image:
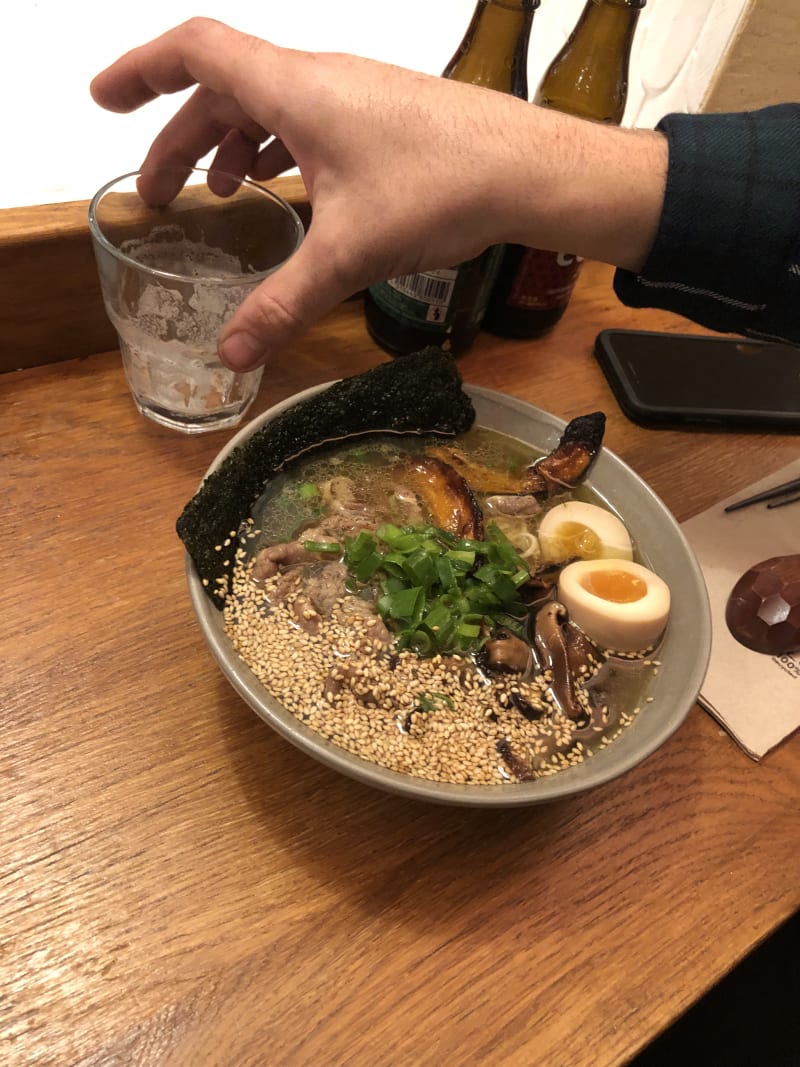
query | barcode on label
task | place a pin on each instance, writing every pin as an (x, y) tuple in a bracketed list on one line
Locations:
[(434, 287)]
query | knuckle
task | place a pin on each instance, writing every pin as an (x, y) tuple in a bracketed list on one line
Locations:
[(335, 248), (272, 314), (201, 32), (197, 26)]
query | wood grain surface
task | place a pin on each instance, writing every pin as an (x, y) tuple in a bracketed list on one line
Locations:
[(180, 886)]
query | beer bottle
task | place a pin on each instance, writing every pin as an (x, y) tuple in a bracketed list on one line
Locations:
[(588, 78), (445, 307)]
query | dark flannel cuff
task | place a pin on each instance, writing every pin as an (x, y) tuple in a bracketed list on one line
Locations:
[(726, 250)]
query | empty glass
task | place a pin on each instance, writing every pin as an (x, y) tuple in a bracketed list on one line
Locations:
[(175, 260)]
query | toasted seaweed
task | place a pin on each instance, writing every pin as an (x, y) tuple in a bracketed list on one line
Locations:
[(419, 393)]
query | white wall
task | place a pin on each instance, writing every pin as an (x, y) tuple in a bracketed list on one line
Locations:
[(58, 145)]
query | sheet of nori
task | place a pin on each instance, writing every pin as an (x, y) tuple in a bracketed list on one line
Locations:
[(420, 392)]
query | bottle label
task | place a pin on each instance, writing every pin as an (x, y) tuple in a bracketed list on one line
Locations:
[(544, 280), (434, 298), (422, 297)]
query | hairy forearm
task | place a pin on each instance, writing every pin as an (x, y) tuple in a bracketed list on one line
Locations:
[(573, 185)]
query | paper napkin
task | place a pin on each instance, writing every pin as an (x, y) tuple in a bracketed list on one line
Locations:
[(756, 697)]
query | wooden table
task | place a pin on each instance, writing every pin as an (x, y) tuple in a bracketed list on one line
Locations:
[(182, 886)]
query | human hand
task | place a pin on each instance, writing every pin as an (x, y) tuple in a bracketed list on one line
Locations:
[(404, 171)]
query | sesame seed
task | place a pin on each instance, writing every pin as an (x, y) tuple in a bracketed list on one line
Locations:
[(440, 718)]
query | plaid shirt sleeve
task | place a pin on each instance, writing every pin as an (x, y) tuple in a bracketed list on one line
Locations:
[(727, 253)]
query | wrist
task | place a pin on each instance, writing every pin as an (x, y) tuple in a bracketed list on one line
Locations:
[(584, 187)]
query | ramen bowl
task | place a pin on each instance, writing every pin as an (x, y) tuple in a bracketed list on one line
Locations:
[(683, 654)]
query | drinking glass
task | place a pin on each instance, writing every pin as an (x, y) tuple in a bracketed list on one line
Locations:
[(177, 251)]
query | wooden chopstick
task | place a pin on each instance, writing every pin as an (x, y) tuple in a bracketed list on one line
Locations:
[(783, 503), (768, 494)]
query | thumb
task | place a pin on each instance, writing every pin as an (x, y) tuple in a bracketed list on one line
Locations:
[(283, 307)]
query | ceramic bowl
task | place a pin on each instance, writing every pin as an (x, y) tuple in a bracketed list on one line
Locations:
[(683, 655)]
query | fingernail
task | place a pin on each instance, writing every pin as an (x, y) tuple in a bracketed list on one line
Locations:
[(242, 351)]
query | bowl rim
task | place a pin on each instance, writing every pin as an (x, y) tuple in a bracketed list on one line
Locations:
[(566, 782)]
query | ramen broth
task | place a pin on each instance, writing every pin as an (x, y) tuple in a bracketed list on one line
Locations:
[(268, 638)]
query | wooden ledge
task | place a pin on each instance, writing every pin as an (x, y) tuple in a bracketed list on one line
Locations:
[(50, 303)]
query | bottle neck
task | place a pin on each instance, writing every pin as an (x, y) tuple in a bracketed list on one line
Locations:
[(589, 76), (494, 50)]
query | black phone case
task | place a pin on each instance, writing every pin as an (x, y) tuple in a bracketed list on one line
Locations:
[(678, 416)]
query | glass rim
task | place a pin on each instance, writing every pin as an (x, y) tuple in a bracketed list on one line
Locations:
[(97, 233)]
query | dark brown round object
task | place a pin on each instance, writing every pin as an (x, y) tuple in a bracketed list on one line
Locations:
[(763, 610)]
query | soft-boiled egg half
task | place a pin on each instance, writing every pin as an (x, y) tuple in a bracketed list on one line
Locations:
[(576, 528), (617, 603)]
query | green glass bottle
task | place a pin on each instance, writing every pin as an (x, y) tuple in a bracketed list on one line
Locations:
[(588, 78), (445, 307)]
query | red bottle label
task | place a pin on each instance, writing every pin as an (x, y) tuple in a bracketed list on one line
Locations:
[(544, 280)]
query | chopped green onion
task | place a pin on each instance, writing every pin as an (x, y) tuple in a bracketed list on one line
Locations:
[(367, 566), (421, 642), (421, 569), (445, 572), (322, 546), (394, 563), (429, 701), (468, 545), (437, 592), (437, 617), (356, 548), (388, 533), (462, 560), (406, 542), (404, 604)]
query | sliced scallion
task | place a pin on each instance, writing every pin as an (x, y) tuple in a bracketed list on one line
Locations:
[(437, 592), (332, 547)]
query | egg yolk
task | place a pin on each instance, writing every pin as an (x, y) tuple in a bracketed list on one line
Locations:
[(619, 587), (575, 539)]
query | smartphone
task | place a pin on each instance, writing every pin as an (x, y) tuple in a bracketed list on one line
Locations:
[(687, 380)]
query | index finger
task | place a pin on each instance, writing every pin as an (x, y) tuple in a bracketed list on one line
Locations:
[(198, 52)]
